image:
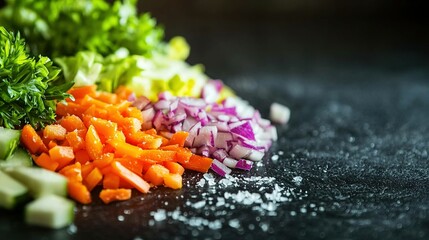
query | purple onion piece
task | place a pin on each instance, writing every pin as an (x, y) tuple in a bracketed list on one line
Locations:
[(230, 162), (220, 168), (141, 102), (238, 151), (244, 164)]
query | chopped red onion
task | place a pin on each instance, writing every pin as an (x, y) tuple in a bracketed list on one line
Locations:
[(232, 132), (220, 168), (244, 164), (141, 102), (220, 154), (230, 162), (238, 151)]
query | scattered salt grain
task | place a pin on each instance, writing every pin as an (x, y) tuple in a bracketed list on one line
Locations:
[(159, 215), (264, 226), (72, 229), (297, 180), (274, 158), (234, 223), (121, 218), (199, 204), (202, 182), (225, 182)]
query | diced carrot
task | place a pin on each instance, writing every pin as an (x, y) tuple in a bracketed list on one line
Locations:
[(114, 115), (95, 111), (106, 170), (54, 132), (146, 165), (78, 192), (130, 125), (105, 128), (130, 177), (124, 184), (64, 143), (104, 160), (107, 97), (157, 155), (133, 164), (52, 144), (86, 169), (152, 132), (123, 92), (81, 92), (125, 149), (173, 180), (155, 174), (107, 148), (32, 141), (81, 156), (46, 162), (75, 140), (198, 163), (93, 178), (111, 180), (144, 140), (90, 101), (62, 155), (164, 141), (72, 172), (119, 136), (178, 138), (93, 143), (122, 107), (110, 195), (134, 113), (72, 122), (182, 154), (174, 167), (69, 108)]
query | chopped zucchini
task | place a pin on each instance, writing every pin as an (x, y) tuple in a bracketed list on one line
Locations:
[(50, 211), (20, 158), (9, 140), (12, 192), (40, 181)]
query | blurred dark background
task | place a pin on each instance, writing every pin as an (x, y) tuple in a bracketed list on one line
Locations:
[(293, 37)]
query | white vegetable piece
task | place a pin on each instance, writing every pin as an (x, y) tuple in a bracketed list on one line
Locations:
[(279, 113), (40, 181), (12, 192), (50, 211)]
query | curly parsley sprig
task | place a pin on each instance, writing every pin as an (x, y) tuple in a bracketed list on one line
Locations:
[(29, 86)]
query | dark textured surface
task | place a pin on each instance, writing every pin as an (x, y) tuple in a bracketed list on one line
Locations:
[(358, 136)]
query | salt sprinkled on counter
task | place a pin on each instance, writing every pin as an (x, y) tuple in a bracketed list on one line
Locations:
[(297, 180), (259, 194)]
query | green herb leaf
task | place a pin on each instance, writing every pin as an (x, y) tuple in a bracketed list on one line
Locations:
[(29, 87), (64, 27)]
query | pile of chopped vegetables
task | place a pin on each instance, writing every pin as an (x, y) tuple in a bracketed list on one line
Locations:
[(98, 140), (230, 131), (118, 108)]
